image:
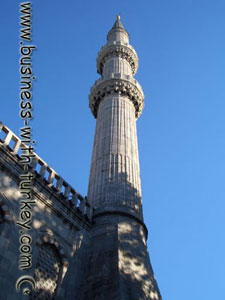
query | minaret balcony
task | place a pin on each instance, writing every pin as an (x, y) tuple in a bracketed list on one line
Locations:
[(120, 86)]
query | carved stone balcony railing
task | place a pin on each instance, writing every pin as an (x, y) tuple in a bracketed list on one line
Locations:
[(117, 49), (120, 84), (41, 169)]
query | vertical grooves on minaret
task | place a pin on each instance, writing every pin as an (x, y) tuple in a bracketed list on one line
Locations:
[(93, 170), (102, 167), (113, 141), (131, 138), (125, 177), (95, 182), (115, 168), (124, 148), (121, 149), (118, 143), (134, 155), (126, 141), (111, 126), (138, 169), (131, 149), (137, 165)]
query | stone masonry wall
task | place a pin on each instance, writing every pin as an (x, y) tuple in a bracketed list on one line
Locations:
[(57, 226)]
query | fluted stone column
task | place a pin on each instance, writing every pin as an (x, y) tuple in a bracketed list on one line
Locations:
[(115, 176), (118, 262)]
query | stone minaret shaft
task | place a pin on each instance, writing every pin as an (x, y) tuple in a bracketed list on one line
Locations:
[(116, 100), (118, 264)]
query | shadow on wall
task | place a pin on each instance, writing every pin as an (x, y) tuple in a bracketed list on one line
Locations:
[(137, 277), (50, 257), (118, 261)]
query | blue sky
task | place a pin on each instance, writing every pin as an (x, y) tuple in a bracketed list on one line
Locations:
[(181, 48)]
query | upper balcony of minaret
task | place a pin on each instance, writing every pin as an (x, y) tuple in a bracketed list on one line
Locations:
[(117, 56), (117, 63)]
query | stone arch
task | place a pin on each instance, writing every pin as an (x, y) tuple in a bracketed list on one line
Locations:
[(49, 270)]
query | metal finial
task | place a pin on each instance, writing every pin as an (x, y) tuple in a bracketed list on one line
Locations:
[(118, 17)]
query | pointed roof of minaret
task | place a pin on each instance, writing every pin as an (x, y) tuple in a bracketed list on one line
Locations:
[(117, 26), (118, 23)]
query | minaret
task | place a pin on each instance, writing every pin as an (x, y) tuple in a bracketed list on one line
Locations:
[(116, 100), (118, 262)]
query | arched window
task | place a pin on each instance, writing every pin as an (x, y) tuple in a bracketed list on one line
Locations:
[(47, 272)]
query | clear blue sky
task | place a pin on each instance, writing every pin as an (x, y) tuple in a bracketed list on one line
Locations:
[(181, 49)]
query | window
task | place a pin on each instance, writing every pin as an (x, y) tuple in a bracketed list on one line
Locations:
[(47, 272)]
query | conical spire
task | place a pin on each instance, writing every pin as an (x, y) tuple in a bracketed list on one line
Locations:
[(118, 23), (118, 32)]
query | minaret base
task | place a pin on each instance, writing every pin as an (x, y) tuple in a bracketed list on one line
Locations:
[(118, 262)]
